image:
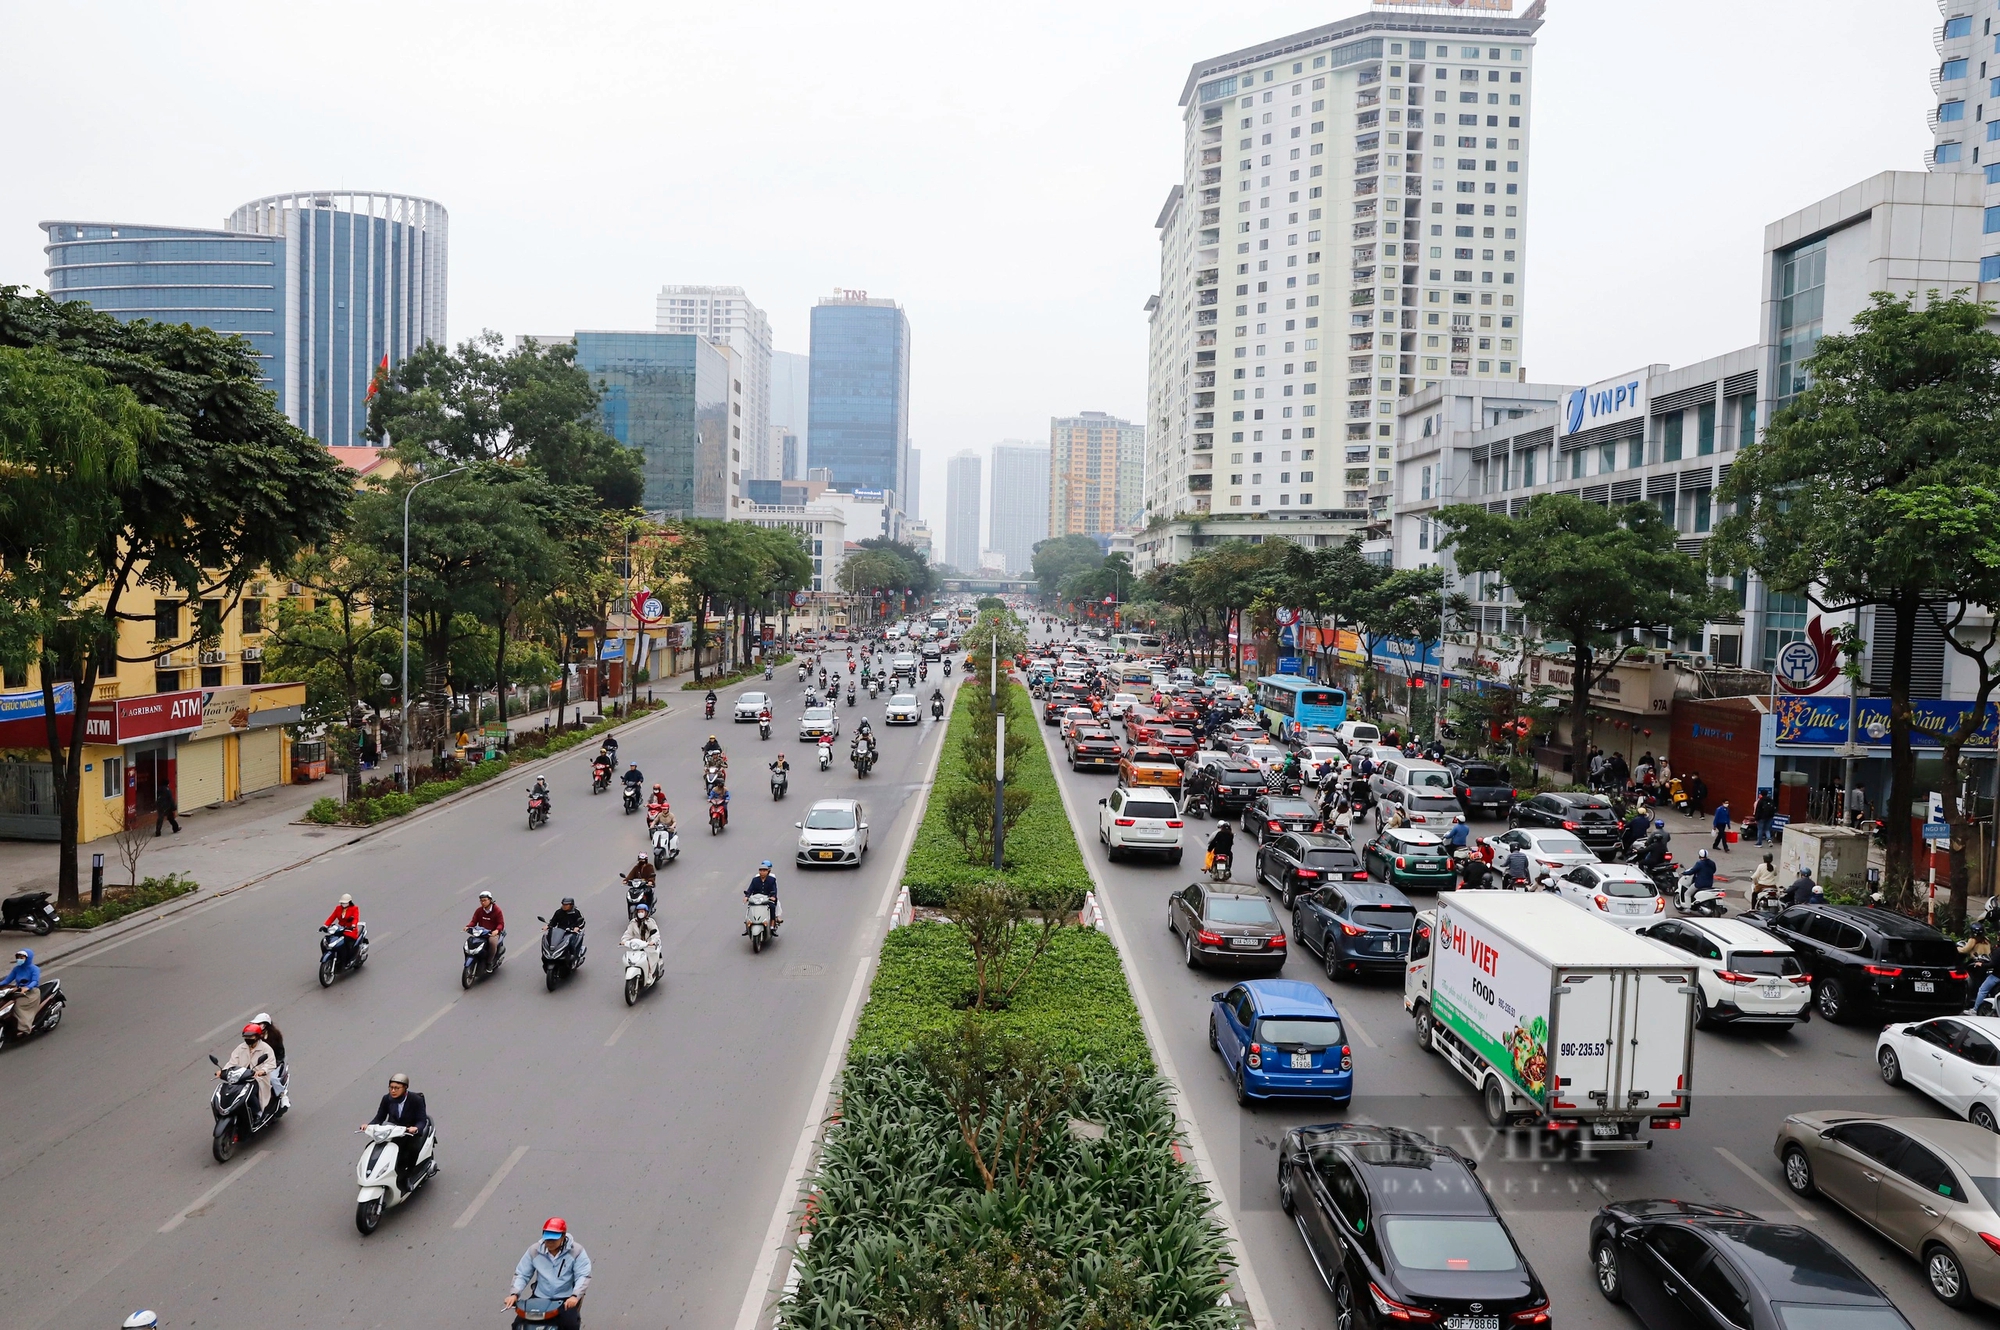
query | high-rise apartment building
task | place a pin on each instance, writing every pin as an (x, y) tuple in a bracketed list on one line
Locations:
[(915, 480), (323, 283), (1095, 461), (1019, 508), (1962, 133), (961, 511), (725, 316), (1350, 227), (858, 409)]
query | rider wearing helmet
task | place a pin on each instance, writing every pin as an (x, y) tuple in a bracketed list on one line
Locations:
[(260, 1058), (766, 884), (406, 1109), (281, 1079), (1658, 846), (488, 916), (346, 917), (556, 1267), (633, 778), (656, 804), (713, 748), (568, 917)]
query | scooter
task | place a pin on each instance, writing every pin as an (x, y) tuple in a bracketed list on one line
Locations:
[(1218, 870), (758, 922), (381, 1188), (708, 710), (1706, 901), (718, 818), (864, 761), (779, 784), (638, 892), (803, 671), (767, 674), (31, 912), (600, 779), (643, 969), (1468, 867), (538, 811), (631, 798), (337, 959), (563, 952), (50, 1016), (234, 1105), (850, 694), (937, 708), (764, 725), (826, 757), (476, 963), (666, 846)]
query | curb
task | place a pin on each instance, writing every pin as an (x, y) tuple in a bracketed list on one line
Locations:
[(138, 919)]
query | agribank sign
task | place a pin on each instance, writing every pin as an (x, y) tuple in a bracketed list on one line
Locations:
[(1607, 403)]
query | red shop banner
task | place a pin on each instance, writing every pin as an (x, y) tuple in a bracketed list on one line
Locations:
[(127, 720)]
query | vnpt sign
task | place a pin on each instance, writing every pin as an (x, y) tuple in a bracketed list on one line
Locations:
[(1604, 404)]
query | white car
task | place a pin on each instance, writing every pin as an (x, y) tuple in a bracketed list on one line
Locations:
[(1617, 893), (1747, 976), (1268, 757), (1433, 812), (1122, 703), (1356, 735), (1550, 853), (904, 663), (749, 704), (902, 710), (1953, 1059), (818, 723), (1140, 821), (1321, 762), (835, 831)]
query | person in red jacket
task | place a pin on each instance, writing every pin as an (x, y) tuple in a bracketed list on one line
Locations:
[(488, 916), (346, 917)]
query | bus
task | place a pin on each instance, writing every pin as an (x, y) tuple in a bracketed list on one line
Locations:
[(940, 621), (1287, 703), (1137, 644)]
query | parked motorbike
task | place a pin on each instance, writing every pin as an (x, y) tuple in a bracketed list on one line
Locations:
[(31, 912), (477, 962), (1688, 900), (666, 846), (758, 922), (631, 798), (643, 969), (234, 1105), (779, 784), (381, 1187), (50, 1016), (563, 952), (538, 811), (335, 957)]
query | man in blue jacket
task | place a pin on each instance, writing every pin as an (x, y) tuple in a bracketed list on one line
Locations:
[(26, 976), (555, 1267)]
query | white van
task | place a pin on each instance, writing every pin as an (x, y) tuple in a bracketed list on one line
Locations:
[(1357, 734)]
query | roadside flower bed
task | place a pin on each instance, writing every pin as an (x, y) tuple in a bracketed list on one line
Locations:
[(121, 901)]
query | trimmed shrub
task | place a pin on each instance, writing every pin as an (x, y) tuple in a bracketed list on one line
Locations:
[(121, 901), (325, 811)]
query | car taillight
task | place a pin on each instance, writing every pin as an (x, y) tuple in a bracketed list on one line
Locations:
[(1277, 941), (1399, 861), (1346, 1058), (1125, 821), (1990, 1241), (1659, 904), (1274, 826), (1306, 874), (1351, 930), (1885, 971), (1175, 824), (1961, 974), (1399, 1311), (1799, 978), (1513, 794), (1256, 1057), (1319, 826), (1569, 826), (1602, 904), (1732, 977), (1537, 1314), (1208, 939)]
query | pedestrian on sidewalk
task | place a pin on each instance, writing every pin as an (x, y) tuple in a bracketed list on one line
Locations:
[(164, 808), (1721, 825), (1763, 811)]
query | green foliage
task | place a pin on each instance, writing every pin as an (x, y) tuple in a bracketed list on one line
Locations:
[(121, 901), (325, 811), (1058, 558)]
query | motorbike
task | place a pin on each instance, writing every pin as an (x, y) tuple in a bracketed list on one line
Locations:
[(850, 694), (718, 818), (864, 761), (538, 1311), (937, 708), (563, 952), (31, 912), (600, 779), (1666, 874), (947, 669), (638, 892), (1468, 868), (666, 846), (767, 674), (779, 784), (631, 798), (1218, 869), (234, 1105), (1706, 901), (826, 757), (476, 962), (643, 969), (802, 672), (708, 710), (764, 725), (874, 689), (758, 922), (334, 958), (381, 1187), (538, 811), (50, 1016)]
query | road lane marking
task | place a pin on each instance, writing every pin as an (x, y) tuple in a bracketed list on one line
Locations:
[(548, 841), (623, 1026), (1768, 1185), (492, 1185), (1347, 1019), (476, 883), (430, 1020), (213, 1192), (233, 1024), (1778, 1051)]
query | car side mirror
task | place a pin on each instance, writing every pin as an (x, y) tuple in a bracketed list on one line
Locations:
[(1102, 802), (800, 825), (864, 826)]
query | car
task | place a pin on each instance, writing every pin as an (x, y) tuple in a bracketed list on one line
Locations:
[(1221, 927), (1415, 774), (749, 706), (1180, 742), (1953, 1059), (1150, 767), (1588, 817), (834, 831), (1746, 976), (932, 651), (818, 723), (1405, 857), (1263, 752), (1355, 735), (1095, 749), (1281, 1039), (1402, 1232), (903, 662), (1122, 703), (1073, 719), (1145, 731), (1357, 928), (1139, 821), (1274, 814), (1055, 704), (1481, 787), (1320, 762), (1925, 1184), (1420, 808), (1621, 894), (1228, 783), (1306, 861), (903, 710), (1550, 853), (1868, 963), (1681, 1264)]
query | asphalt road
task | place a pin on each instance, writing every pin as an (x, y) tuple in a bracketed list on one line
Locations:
[(662, 1132), (1746, 1083)]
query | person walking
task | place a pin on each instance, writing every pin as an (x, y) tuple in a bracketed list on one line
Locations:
[(1762, 812), (164, 808), (1721, 824)]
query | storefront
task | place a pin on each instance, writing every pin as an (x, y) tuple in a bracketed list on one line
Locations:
[(28, 808), (1631, 707)]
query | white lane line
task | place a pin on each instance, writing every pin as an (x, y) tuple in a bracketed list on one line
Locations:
[(1784, 1198), (213, 1192), (1354, 1027), (623, 1026), (1777, 1052), (430, 1020), (235, 1023), (476, 883), (548, 841), (492, 1185)]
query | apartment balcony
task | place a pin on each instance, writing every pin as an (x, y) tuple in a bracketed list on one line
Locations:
[(1206, 339), (1206, 380), (1203, 318), (1204, 420), (1413, 186), (1204, 399), (1365, 187), (1204, 357), (1363, 296), (1206, 298), (1208, 277), (1356, 455), (1365, 165), (1211, 237), (1367, 142), (1210, 156), (1364, 275), (1211, 217), (1367, 119), (1357, 387), (1461, 368), (1201, 484), (1212, 176)]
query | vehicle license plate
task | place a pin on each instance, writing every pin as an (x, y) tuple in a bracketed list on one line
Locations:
[(826, 854), (1925, 986), (1472, 1323), (1604, 1129), (1302, 1060), (1772, 991), (1246, 943)]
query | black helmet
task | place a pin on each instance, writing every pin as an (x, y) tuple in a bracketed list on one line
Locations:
[(569, 902)]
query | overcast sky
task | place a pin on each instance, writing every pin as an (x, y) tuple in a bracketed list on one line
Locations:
[(995, 170)]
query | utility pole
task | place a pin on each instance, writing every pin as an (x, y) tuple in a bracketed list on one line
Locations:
[(999, 758)]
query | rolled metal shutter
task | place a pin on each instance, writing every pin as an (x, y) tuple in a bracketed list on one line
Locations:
[(259, 753), (198, 773)]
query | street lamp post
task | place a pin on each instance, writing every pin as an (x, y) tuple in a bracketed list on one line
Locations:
[(403, 732), (999, 759)]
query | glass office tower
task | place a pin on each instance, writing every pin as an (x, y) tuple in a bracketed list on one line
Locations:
[(858, 411), (668, 395)]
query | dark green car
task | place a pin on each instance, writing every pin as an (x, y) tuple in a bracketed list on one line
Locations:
[(1407, 857)]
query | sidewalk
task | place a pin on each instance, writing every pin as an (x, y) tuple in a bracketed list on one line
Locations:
[(1733, 869)]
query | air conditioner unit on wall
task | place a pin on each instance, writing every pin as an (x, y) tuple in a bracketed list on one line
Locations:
[(213, 657), (253, 653), (171, 660), (294, 589)]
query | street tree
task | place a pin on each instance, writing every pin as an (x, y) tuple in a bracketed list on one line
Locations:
[(342, 644), (1058, 557)]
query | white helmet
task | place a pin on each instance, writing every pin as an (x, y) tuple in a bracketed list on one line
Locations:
[(346, 899), (140, 1321)]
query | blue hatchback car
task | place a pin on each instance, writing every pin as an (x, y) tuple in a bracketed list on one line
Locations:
[(1280, 1038)]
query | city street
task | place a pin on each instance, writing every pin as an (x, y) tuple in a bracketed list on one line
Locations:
[(661, 1132), (1747, 1082)]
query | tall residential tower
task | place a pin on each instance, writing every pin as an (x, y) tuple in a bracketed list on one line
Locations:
[(1020, 503), (961, 511), (725, 316), (1095, 464)]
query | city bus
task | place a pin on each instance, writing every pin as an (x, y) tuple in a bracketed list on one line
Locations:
[(1287, 703), (940, 621), (1137, 644)]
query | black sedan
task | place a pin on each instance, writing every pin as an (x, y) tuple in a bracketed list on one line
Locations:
[(1227, 928), (1358, 928), (1274, 815), (1680, 1263), (1588, 817), (1402, 1232), (1307, 861)]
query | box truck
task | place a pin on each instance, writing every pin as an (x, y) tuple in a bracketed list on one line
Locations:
[(1559, 1019)]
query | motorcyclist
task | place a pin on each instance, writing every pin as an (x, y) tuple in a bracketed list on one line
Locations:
[(642, 871), (781, 767), (555, 1267), (1977, 947), (25, 979), (764, 883), (404, 1109), (1803, 888), (540, 790), (1702, 870), (718, 801), (260, 1058), (346, 917), (947, 667), (1459, 835), (601, 766), (644, 929), (656, 804), (610, 748), (280, 1079), (635, 780), (1659, 847), (825, 751), (710, 700), (488, 916), (711, 749), (1221, 845), (1635, 828), (1516, 868)]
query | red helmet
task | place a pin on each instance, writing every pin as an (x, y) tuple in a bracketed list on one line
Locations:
[(253, 1030), (555, 1225)]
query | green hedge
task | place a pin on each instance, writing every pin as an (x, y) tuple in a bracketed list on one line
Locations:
[(121, 901), (1041, 850), (1074, 1002)]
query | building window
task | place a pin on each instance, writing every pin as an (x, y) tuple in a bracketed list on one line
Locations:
[(1670, 437), (1527, 469), (1665, 503), (114, 777), (253, 616), (253, 671), (1635, 452), (166, 681), (1426, 490), (167, 613), (211, 676), (1607, 459), (1948, 152), (1958, 27), (1784, 622), (1801, 287), (1951, 71), (1704, 429), (1576, 465), (1951, 110), (1746, 420), (1989, 267)]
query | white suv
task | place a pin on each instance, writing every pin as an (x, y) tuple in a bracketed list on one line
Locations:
[(749, 704), (1747, 976), (1135, 821)]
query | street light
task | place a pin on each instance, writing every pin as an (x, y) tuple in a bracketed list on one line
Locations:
[(403, 732)]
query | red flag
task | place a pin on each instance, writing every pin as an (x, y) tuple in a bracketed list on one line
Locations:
[(375, 383)]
